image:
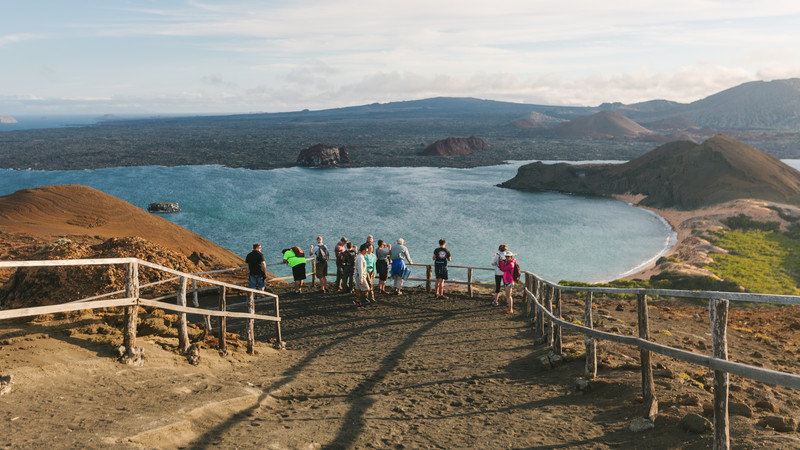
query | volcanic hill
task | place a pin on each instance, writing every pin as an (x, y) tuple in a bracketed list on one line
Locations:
[(602, 125), (78, 222), (681, 175)]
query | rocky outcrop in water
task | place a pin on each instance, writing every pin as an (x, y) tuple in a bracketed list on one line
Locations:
[(163, 207), (455, 146), (321, 155)]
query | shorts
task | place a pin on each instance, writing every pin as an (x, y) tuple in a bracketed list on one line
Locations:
[(383, 269), (441, 271), (498, 281), (299, 272), (257, 282), (322, 269), (511, 284)]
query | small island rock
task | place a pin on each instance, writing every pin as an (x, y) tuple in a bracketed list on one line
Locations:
[(455, 146), (323, 155)]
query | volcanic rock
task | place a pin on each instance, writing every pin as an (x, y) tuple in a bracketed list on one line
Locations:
[(681, 175), (323, 155), (455, 146)]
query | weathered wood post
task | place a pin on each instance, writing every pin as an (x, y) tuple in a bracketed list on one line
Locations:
[(313, 272), (539, 312), (196, 303), (278, 324), (469, 281), (223, 321), (549, 305), (590, 372), (131, 312), (557, 347), (428, 272), (648, 387), (529, 287), (718, 310), (183, 326), (251, 335)]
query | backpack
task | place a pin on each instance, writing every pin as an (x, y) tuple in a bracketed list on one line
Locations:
[(322, 253), (348, 258), (517, 273)]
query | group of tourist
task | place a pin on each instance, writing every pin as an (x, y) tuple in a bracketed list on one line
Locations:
[(357, 267)]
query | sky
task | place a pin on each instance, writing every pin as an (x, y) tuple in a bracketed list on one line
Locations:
[(242, 56)]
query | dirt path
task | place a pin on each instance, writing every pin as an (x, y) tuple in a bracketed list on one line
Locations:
[(412, 372)]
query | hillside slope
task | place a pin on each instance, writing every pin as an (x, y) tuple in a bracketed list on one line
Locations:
[(56, 211), (681, 175)]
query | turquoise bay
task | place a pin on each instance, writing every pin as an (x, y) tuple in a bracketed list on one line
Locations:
[(555, 235)]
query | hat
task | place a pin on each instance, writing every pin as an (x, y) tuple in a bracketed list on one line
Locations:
[(508, 254), (319, 238), (401, 241)]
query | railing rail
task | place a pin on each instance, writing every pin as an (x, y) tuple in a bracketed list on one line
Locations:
[(545, 297), (132, 300)]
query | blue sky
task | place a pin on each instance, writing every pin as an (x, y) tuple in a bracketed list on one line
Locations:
[(97, 57)]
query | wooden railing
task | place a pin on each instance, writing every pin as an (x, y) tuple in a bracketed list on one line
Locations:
[(545, 297), (132, 300)]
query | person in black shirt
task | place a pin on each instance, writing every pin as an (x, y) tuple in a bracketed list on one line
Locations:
[(440, 257), (258, 268)]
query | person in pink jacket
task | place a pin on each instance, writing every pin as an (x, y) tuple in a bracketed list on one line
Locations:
[(507, 266)]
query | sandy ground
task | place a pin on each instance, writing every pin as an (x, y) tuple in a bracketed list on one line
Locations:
[(411, 372)]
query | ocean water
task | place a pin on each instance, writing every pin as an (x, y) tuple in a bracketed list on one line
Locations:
[(554, 235)]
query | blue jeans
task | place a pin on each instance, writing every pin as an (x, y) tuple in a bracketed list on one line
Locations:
[(257, 282)]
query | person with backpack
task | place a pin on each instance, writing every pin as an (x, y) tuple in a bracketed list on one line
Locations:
[(348, 267), (440, 257), (320, 250), (338, 250), (498, 274), (297, 259), (508, 266)]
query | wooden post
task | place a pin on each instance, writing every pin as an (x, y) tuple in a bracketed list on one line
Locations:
[(549, 306), (529, 287), (196, 303), (718, 310), (313, 272), (590, 372), (539, 313), (183, 327), (278, 324), (557, 347), (223, 321), (469, 281), (428, 273), (131, 312), (648, 387), (251, 335)]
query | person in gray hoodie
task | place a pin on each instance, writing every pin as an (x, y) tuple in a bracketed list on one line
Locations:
[(400, 272)]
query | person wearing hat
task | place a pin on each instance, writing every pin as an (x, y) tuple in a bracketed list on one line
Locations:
[(338, 250), (400, 272), (507, 266), (320, 250), (498, 274)]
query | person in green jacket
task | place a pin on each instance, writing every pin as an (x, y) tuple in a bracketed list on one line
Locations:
[(295, 258)]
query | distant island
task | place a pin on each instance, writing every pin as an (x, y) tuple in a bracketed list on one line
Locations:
[(7, 119)]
